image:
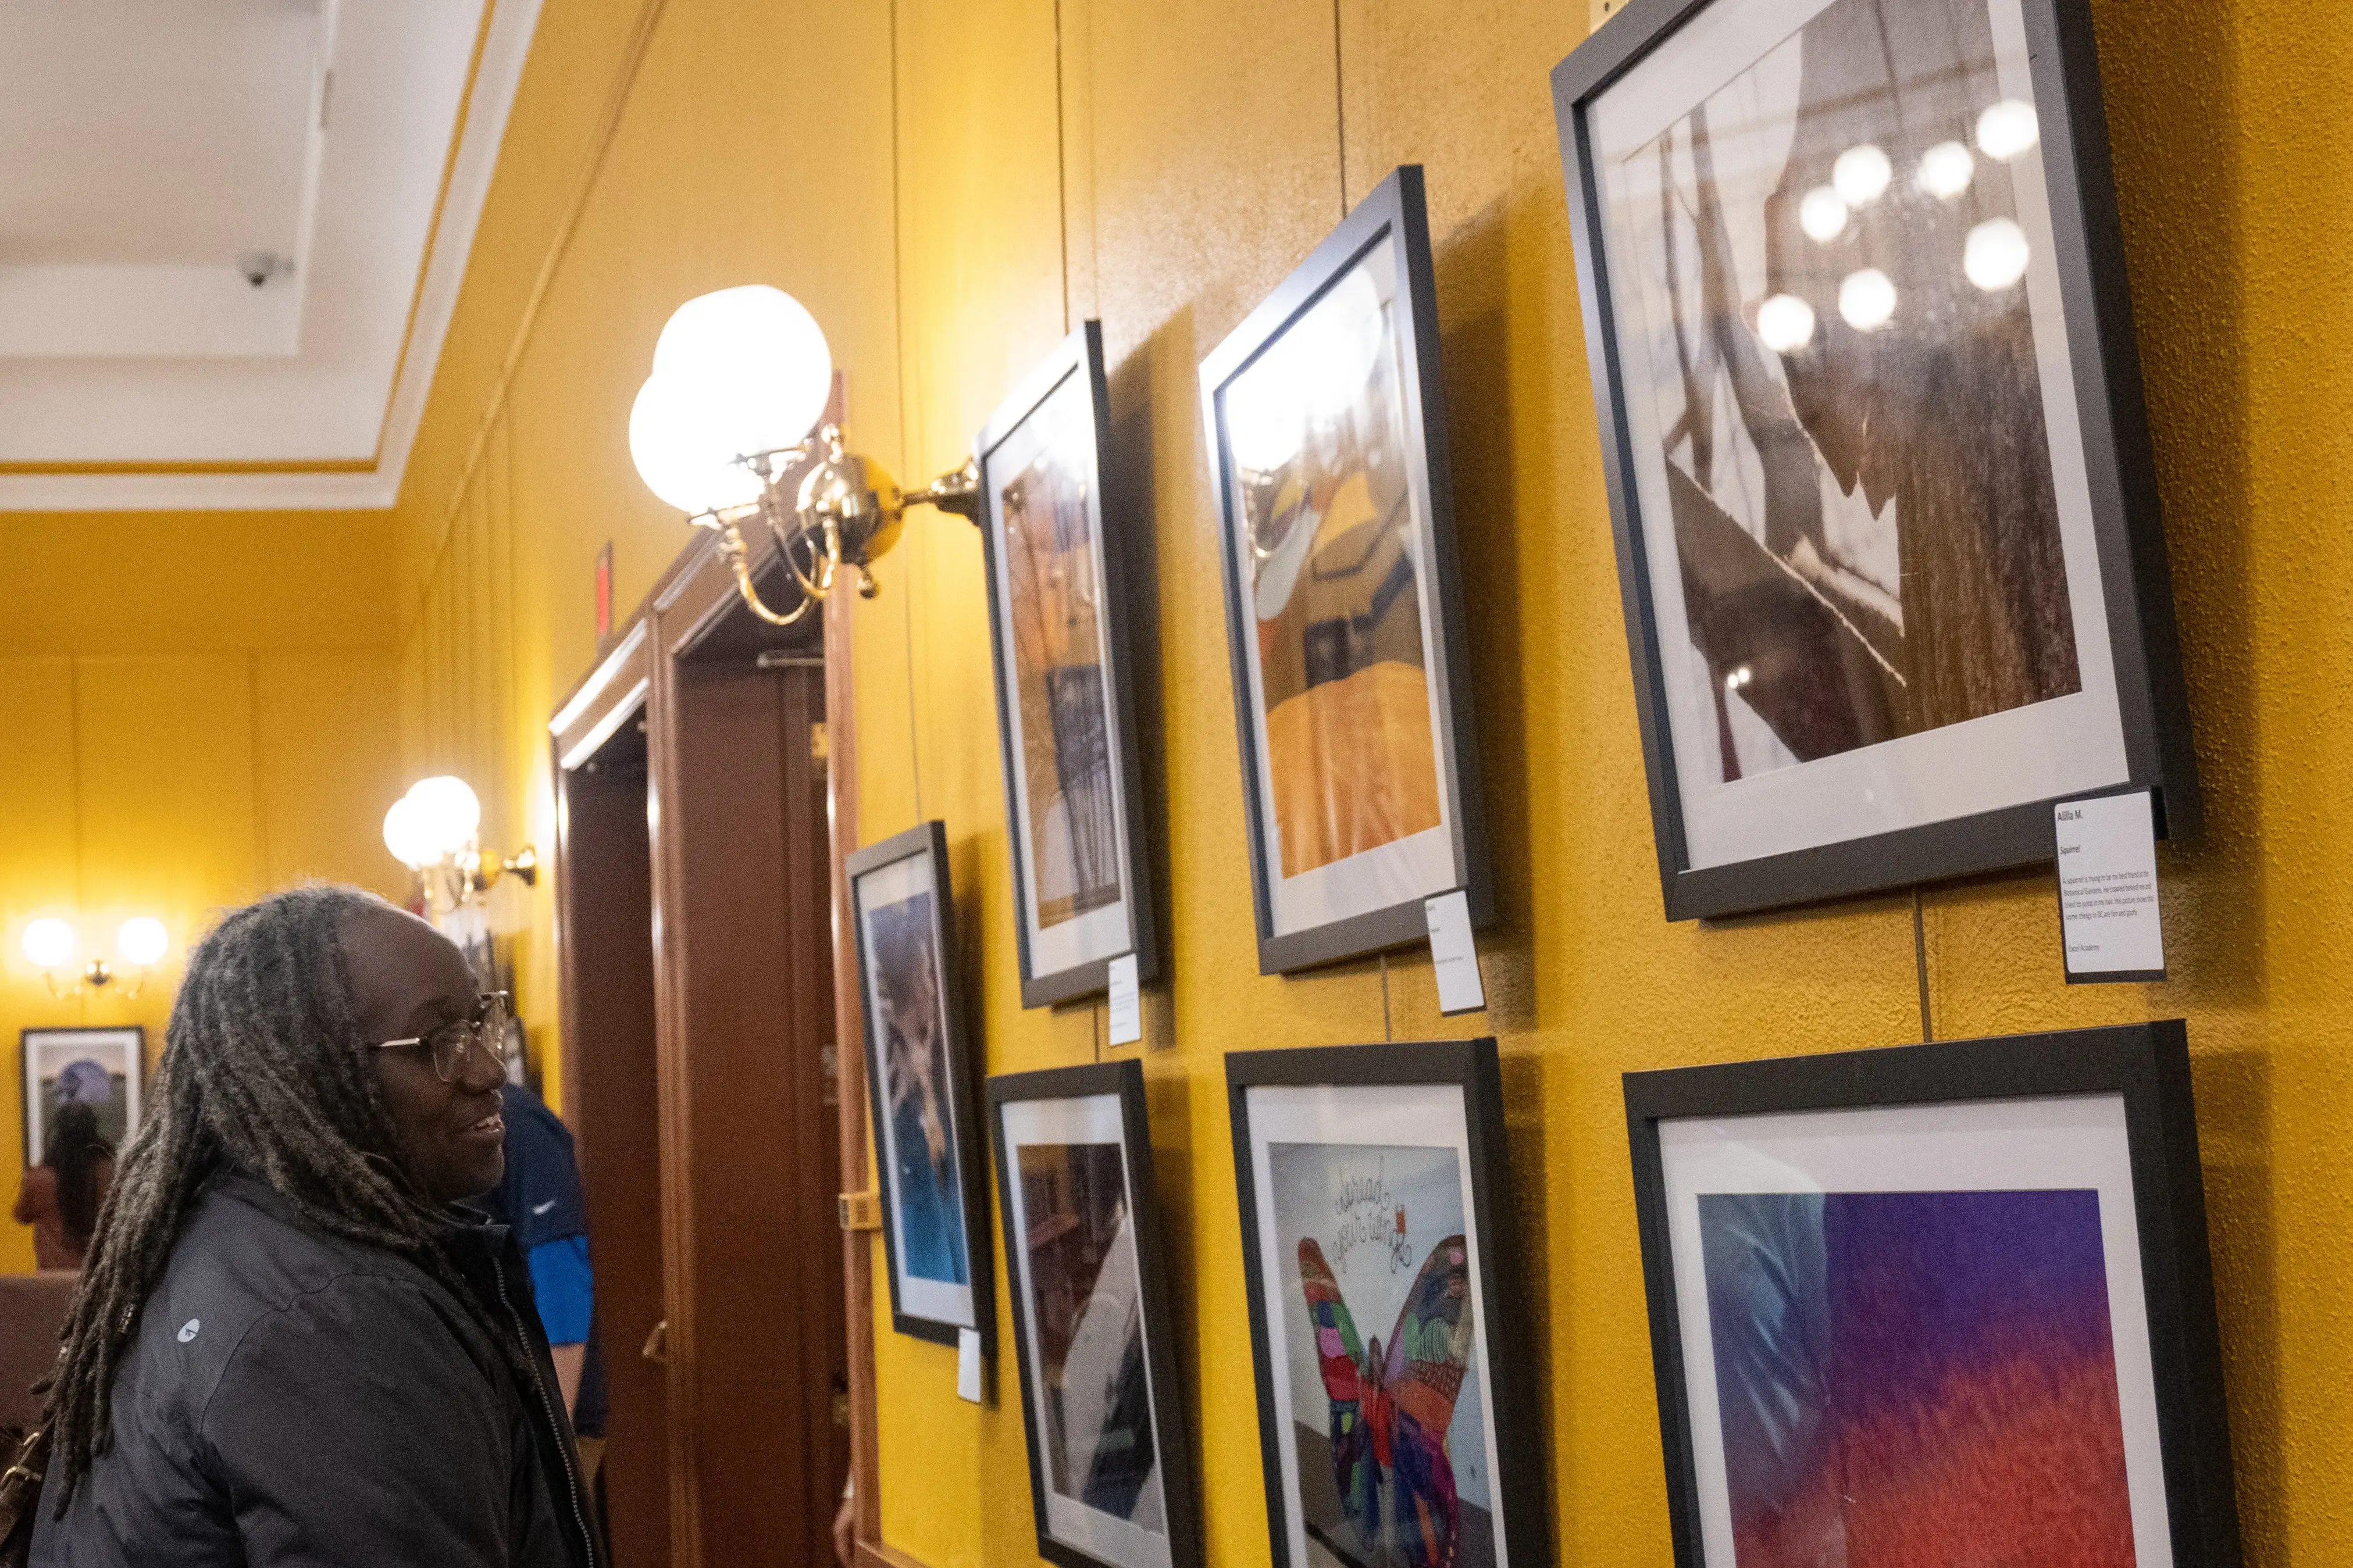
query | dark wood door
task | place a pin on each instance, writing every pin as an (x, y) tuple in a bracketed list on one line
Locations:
[(757, 1110), (611, 1097)]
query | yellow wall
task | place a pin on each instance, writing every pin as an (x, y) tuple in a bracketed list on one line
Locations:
[(951, 185), (197, 710)]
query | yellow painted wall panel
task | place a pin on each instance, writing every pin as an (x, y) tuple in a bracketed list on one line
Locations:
[(326, 767), (37, 879), (200, 582)]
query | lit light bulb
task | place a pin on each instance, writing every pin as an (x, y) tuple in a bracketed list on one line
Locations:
[(49, 942), (763, 347), (1861, 175), (2008, 129), (736, 373), (1996, 253), (684, 446), (449, 813), (141, 942), (1867, 300), (1822, 215), (1786, 323), (405, 837), (1946, 170)]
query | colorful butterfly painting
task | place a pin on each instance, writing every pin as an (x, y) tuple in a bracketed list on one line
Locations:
[(1391, 1409)]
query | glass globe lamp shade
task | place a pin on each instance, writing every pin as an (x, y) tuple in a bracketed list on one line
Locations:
[(760, 354), (141, 942), (684, 438), (448, 814), (405, 835), (49, 942)]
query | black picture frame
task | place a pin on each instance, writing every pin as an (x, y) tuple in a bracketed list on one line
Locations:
[(1044, 980), (2152, 710), (925, 846), (1395, 209), (1172, 1431), (2144, 1065), (34, 1047), (1471, 1070)]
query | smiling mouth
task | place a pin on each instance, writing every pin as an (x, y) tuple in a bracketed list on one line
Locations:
[(493, 1125)]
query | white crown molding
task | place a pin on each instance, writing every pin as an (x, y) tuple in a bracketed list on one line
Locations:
[(506, 45)]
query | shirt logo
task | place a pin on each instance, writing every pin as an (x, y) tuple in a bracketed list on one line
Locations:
[(188, 1329), (542, 1208)]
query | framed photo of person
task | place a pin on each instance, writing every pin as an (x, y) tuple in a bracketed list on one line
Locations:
[(1937, 1302), (1326, 422), (1057, 617), (100, 1069), (1111, 1459), (1396, 1422), (1878, 472), (920, 1083)]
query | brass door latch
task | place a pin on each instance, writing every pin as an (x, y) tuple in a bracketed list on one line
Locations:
[(862, 1211)]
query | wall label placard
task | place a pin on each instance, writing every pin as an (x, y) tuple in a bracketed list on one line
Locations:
[(2108, 920), (1126, 1002), (1454, 954)]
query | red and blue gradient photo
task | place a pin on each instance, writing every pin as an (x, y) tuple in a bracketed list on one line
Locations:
[(1916, 1379)]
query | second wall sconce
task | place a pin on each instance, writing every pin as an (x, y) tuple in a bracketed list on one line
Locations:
[(741, 378), (435, 830), (51, 945)]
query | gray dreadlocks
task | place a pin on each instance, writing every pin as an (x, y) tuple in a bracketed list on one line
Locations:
[(261, 1073)]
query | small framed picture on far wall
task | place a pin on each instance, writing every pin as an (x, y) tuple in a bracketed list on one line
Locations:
[(920, 1088), (1327, 420), (1058, 616), (102, 1069)]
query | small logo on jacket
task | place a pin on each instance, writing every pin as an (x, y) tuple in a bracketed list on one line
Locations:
[(542, 1208), (188, 1329)]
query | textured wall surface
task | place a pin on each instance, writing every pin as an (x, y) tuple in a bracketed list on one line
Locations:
[(196, 709), (951, 185)]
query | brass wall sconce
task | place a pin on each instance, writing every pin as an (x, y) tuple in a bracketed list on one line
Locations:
[(729, 418), (52, 943), (435, 831)]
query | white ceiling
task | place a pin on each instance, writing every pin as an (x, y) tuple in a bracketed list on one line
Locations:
[(155, 155)]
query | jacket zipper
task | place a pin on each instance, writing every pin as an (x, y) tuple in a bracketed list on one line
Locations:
[(571, 1480)]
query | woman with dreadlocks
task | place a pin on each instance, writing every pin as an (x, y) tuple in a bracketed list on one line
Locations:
[(290, 1346)]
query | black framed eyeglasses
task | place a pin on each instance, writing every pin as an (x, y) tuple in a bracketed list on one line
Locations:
[(452, 1044)]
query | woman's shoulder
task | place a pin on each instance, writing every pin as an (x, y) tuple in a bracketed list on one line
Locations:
[(38, 1196)]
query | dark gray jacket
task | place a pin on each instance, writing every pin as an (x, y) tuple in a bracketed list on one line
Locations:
[(294, 1400)]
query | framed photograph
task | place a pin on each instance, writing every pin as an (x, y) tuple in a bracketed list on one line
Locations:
[(1936, 1303), (920, 1083), (1057, 617), (1111, 1459), (1396, 1419), (103, 1069), (1327, 420), (1878, 466)]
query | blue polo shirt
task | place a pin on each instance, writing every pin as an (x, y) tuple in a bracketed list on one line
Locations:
[(541, 1200)]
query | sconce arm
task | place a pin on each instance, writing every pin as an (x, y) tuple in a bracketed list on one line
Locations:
[(731, 549), (957, 491)]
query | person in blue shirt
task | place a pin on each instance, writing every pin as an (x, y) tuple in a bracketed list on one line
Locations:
[(541, 1199)]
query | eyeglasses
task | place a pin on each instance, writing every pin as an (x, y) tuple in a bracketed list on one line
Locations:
[(453, 1044)]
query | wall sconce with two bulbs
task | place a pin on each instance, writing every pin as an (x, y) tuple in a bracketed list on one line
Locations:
[(435, 830), (53, 944), (741, 379)]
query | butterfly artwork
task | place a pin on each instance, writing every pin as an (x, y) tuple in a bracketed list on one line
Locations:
[(1391, 1408)]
